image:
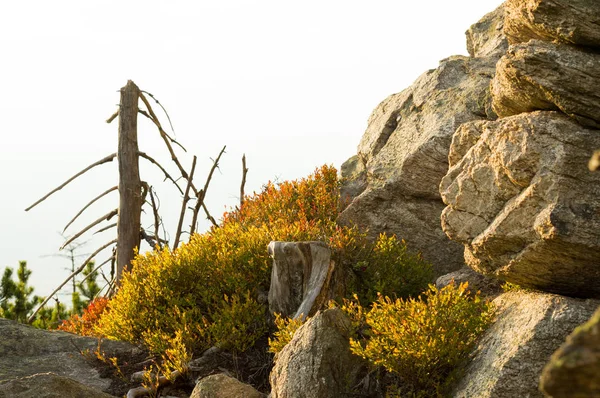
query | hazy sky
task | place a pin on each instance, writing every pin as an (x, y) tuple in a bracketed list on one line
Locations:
[(290, 84)]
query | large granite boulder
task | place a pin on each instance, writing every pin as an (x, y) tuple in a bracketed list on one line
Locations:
[(26, 351), (403, 154), (574, 369), (525, 205), (47, 385), (512, 353), (224, 386), (548, 76), (568, 21), (317, 362), (303, 278)]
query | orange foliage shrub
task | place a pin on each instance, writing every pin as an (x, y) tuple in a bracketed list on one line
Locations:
[(84, 325)]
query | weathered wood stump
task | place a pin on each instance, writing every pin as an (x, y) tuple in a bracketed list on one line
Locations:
[(302, 279)]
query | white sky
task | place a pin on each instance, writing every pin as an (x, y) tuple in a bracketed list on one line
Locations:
[(291, 84)]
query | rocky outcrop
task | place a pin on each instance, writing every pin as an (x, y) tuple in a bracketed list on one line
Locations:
[(403, 154), (548, 76), (487, 286), (525, 206), (512, 353), (223, 386), (567, 21), (317, 362), (303, 278), (574, 369), (47, 385), (26, 351)]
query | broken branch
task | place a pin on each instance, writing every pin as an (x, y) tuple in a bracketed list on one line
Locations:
[(112, 117), (89, 204), (186, 197), (105, 228), (165, 138), (202, 194), (244, 172), (109, 158), (167, 176), (106, 217)]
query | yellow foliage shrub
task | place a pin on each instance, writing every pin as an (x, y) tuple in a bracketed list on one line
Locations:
[(422, 340), (206, 289), (286, 327)]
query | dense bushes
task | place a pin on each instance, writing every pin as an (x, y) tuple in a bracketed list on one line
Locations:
[(422, 340), (205, 292)]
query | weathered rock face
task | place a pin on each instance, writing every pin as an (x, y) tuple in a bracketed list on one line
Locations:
[(574, 368), (47, 385), (303, 278), (568, 21), (223, 386), (26, 351), (512, 353), (525, 205), (404, 151), (548, 76), (317, 362), (488, 286)]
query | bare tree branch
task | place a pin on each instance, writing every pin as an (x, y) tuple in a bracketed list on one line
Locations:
[(167, 176), (96, 269), (89, 204), (77, 271), (209, 217), (105, 228), (107, 159), (157, 123), (106, 217), (186, 197), (202, 194), (156, 218), (163, 108), (112, 117), (165, 138), (244, 173)]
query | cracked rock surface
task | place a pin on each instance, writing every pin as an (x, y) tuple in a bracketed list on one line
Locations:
[(524, 204)]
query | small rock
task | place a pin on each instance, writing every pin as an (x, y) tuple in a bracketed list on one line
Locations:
[(223, 386)]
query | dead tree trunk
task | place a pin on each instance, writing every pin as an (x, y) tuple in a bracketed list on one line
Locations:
[(130, 186)]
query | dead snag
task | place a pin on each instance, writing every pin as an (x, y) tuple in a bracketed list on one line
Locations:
[(244, 173), (130, 185)]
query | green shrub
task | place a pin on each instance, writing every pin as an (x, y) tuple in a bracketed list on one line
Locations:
[(195, 290), (423, 340), (286, 327)]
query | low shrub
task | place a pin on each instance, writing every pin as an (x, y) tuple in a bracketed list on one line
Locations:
[(207, 288), (85, 323), (286, 327), (422, 340)]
